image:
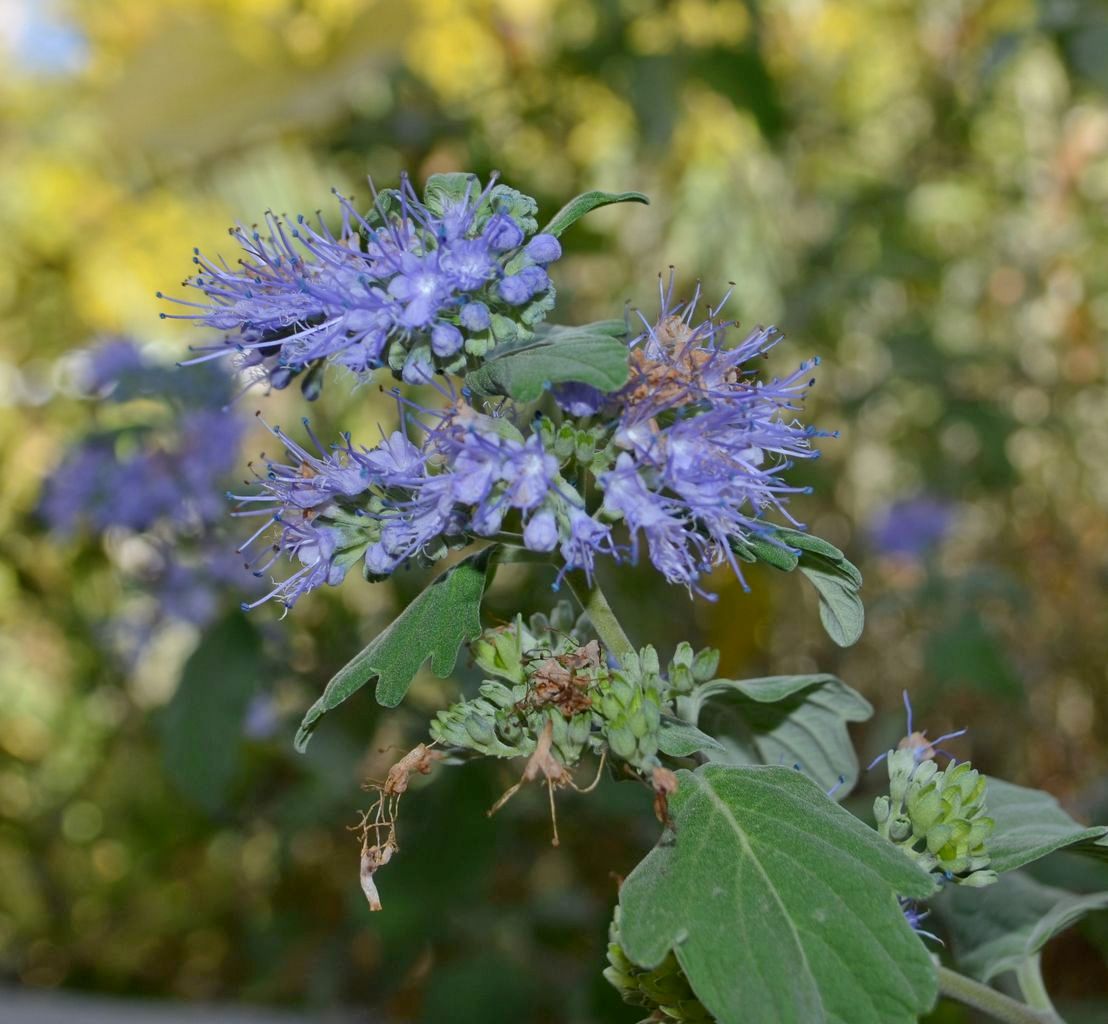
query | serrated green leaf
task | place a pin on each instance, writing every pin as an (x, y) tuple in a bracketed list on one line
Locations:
[(201, 726), (581, 356), (434, 625), (1030, 824), (680, 739), (778, 904), (785, 720), (999, 927), (586, 202), (445, 190)]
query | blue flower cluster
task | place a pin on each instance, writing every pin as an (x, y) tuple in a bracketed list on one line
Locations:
[(399, 503), (417, 285), (703, 443), (689, 455), (161, 480)]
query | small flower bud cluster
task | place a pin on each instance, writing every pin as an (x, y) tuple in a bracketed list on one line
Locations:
[(664, 990), (687, 669), (586, 448), (544, 678), (548, 678), (937, 817), (629, 705)]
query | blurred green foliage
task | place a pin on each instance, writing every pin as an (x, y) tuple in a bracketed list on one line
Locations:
[(914, 192)]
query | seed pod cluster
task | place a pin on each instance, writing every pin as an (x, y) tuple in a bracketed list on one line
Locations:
[(547, 674)]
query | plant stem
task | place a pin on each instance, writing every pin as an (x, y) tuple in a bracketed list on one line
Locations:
[(1029, 974), (600, 613), (988, 1000)]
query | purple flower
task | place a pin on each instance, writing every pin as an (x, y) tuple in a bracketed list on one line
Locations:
[(915, 918), (315, 548), (393, 504), (400, 285), (262, 718), (529, 471), (677, 550), (474, 316), (541, 532), (175, 476), (579, 399), (704, 445), (584, 540), (446, 339), (514, 290), (544, 249), (502, 233)]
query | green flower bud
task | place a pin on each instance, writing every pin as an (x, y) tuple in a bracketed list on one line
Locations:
[(664, 990), (621, 740), (705, 665), (937, 817)]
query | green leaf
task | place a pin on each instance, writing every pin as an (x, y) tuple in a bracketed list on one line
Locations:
[(765, 550), (834, 576), (612, 328), (778, 904), (679, 739), (785, 720), (434, 625), (1000, 927), (579, 355), (1030, 824), (201, 727), (809, 542), (840, 608), (586, 202)]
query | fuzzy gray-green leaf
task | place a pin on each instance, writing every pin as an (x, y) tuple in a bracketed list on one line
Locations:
[(1030, 824), (791, 720), (779, 905), (999, 927), (679, 739), (840, 608)]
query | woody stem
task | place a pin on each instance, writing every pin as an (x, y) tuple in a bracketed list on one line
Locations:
[(600, 613), (989, 1001)]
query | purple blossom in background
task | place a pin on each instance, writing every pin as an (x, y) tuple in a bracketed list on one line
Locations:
[(412, 284), (912, 527), (104, 365), (99, 485), (262, 718), (163, 480)]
